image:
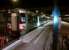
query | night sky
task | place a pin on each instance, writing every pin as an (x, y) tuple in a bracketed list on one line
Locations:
[(5, 4), (34, 3), (27, 3)]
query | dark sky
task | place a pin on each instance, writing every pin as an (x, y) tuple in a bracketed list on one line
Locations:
[(34, 3), (27, 3)]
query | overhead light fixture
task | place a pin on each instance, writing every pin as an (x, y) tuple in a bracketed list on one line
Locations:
[(22, 11), (14, 0), (66, 15)]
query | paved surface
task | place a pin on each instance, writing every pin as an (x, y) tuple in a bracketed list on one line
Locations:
[(32, 39), (64, 32), (44, 39), (39, 43)]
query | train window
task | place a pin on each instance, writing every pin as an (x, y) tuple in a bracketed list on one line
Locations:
[(23, 19)]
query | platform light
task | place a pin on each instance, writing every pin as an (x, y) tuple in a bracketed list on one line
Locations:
[(22, 11), (36, 11), (14, 0), (66, 15)]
